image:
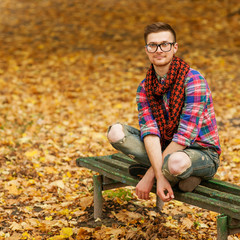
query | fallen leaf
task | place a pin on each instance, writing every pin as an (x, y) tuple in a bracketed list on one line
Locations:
[(187, 223)]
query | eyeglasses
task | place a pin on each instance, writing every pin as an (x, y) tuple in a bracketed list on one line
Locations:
[(165, 47)]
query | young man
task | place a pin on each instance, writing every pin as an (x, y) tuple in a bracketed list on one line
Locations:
[(178, 140)]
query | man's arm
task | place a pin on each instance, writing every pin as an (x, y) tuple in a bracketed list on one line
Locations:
[(153, 148), (147, 122), (197, 95)]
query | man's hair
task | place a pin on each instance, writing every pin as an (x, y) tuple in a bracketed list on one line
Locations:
[(158, 27)]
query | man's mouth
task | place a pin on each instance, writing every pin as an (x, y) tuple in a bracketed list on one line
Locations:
[(159, 57)]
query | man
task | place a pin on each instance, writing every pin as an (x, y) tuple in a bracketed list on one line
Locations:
[(178, 140)]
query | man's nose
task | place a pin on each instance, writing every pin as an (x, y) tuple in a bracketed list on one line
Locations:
[(158, 49)]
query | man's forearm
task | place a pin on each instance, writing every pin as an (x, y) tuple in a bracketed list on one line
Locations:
[(154, 151), (153, 148)]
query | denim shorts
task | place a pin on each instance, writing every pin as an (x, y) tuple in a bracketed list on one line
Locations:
[(205, 161)]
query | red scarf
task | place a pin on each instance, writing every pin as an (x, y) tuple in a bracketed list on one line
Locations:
[(155, 91)]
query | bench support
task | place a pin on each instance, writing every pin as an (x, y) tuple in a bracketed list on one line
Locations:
[(101, 183), (159, 203), (97, 198), (222, 227), (226, 226)]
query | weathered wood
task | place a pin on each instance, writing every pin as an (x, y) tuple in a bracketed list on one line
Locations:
[(222, 227), (233, 226), (204, 197), (123, 157), (108, 171), (159, 203), (214, 195), (208, 203), (109, 183), (98, 199), (113, 163), (222, 186)]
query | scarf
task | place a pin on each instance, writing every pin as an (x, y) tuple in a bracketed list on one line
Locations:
[(155, 91)]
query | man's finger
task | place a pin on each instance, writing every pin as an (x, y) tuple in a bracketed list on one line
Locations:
[(146, 195), (170, 192), (162, 195)]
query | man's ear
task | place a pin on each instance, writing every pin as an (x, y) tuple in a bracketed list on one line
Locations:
[(146, 50), (175, 48)]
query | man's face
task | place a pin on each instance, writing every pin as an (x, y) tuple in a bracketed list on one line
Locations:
[(160, 58)]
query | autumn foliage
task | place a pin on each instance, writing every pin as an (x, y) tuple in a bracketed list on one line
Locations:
[(69, 69)]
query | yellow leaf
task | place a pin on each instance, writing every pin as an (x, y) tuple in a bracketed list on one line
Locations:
[(177, 203), (237, 140), (82, 140), (69, 174), (64, 212), (48, 218), (25, 235), (66, 232), (118, 106), (236, 159), (12, 187), (32, 153), (170, 225)]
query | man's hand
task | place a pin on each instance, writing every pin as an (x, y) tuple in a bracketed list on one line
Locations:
[(164, 189), (144, 186)]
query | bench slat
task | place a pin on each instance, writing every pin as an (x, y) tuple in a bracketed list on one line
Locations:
[(222, 186), (212, 193), (208, 203), (123, 157), (113, 162), (108, 171)]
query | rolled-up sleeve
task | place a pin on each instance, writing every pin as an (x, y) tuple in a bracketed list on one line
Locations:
[(191, 118), (147, 122)]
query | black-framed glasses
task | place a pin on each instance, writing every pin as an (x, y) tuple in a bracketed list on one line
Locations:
[(165, 47)]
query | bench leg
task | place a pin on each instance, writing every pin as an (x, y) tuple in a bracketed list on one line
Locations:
[(222, 227), (159, 203), (97, 198)]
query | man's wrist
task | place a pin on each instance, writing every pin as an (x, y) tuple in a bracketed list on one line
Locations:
[(159, 176)]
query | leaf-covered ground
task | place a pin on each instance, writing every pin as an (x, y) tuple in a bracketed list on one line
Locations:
[(69, 69)]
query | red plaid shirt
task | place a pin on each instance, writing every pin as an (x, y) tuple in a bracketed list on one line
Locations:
[(197, 121)]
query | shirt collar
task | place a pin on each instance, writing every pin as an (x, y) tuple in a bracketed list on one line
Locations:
[(161, 79)]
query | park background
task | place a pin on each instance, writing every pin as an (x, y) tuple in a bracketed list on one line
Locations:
[(69, 69)]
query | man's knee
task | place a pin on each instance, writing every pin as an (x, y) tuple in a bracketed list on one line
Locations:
[(115, 133), (178, 163)]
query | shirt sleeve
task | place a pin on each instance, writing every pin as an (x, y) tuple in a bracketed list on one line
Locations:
[(147, 122), (191, 118)]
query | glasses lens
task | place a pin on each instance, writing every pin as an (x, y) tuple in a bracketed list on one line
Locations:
[(166, 47), (152, 48)]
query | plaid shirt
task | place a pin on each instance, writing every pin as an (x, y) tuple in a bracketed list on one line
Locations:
[(197, 120)]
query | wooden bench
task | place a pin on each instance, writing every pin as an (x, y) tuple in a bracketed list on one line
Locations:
[(214, 195)]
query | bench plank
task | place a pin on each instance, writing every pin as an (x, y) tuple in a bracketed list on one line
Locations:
[(208, 203), (216, 194), (113, 162), (222, 186), (108, 171)]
